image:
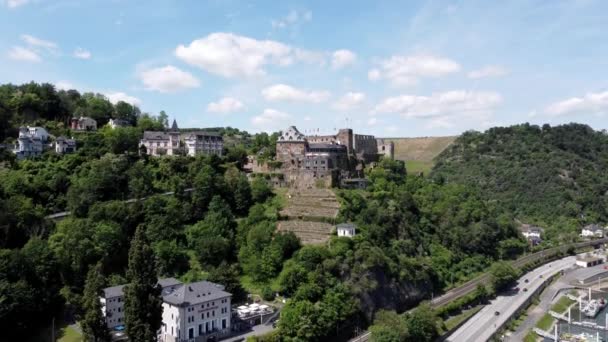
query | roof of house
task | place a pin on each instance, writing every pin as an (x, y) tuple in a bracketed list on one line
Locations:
[(66, 140), (153, 135), (589, 259), (291, 134), (195, 293), (326, 146), (117, 291), (201, 133), (346, 226), (594, 227)]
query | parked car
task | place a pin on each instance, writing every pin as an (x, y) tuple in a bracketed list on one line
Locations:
[(496, 313), (525, 290), (526, 281)]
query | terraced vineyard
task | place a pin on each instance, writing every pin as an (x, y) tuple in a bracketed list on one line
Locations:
[(308, 214)]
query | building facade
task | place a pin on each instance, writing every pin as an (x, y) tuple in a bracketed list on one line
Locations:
[(114, 123), (173, 143), (64, 145), (592, 230), (113, 301), (31, 142), (83, 123), (196, 312), (346, 230), (386, 148)]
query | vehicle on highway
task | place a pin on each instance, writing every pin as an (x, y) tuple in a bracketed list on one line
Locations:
[(496, 313), (525, 281), (516, 289), (540, 276), (525, 290)]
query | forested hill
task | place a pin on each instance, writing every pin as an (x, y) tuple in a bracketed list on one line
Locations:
[(552, 175)]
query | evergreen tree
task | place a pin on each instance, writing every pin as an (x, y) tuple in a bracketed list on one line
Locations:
[(143, 304), (93, 323)]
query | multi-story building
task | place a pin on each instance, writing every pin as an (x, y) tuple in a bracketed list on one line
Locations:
[(115, 123), (203, 143), (113, 301), (386, 148), (173, 143), (195, 312), (83, 123), (64, 145), (31, 142)]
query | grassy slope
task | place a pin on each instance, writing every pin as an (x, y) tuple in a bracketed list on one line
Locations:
[(418, 153)]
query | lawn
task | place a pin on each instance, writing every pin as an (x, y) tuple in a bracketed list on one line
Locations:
[(69, 334), (562, 305), (416, 166), (531, 337), (545, 323)]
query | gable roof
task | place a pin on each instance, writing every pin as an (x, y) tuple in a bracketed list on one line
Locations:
[(195, 293), (117, 291), (153, 135)]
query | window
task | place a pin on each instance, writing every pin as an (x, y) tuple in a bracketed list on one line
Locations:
[(224, 323), (190, 332), (213, 313), (200, 329)]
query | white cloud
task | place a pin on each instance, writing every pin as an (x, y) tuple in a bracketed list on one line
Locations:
[(488, 71), (230, 55), (291, 19), (16, 3), (284, 92), (82, 53), (168, 79), (64, 85), (450, 103), (225, 105), (591, 103), (271, 120), (342, 58), (349, 101), (120, 96), (20, 53), (37, 42), (372, 121), (406, 70)]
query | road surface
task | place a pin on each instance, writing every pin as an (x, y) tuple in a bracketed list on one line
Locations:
[(485, 323)]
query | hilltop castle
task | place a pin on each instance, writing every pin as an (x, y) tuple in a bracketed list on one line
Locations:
[(308, 161)]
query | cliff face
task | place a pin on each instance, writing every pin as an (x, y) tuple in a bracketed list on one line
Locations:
[(389, 294)]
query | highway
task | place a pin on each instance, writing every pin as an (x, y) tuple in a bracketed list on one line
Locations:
[(471, 285), (485, 323)]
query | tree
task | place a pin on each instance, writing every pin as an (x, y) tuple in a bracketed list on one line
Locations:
[(422, 324), (502, 275), (93, 323), (228, 275), (389, 327), (143, 303), (260, 190)]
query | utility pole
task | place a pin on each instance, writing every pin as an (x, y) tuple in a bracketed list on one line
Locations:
[(53, 330)]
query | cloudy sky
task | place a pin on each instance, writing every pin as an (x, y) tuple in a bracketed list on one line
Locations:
[(390, 68)]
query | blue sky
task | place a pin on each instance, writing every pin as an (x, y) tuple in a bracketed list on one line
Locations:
[(390, 68)]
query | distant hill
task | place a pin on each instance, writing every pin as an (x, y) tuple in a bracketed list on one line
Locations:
[(418, 153), (554, 175)]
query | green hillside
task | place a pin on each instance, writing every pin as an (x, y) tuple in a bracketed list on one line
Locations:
[(548, 175)]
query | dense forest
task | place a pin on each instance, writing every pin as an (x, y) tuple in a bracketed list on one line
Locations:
[(551, 176), (415, 236)]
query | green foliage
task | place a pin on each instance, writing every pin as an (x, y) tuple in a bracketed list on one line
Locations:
[(93, 323), (553, 176), (422, 324), (503, 275), (143, 304), (389, 327), (228, 275)]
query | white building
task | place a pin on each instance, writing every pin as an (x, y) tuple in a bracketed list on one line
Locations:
[(31, 142), (84, 123), (592, 230), (118, 123), (346, 229), (173, 143), (589, 261), (203, 143), (113, 303), (195, 312), (64, 145)]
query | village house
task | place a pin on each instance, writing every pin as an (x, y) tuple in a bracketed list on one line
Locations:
[(346, 230), (113, 301), (199, 312), (31, 142), (531, 233), (64, 145), (83, 123), (114, 123), (173, 142), (592, 230)]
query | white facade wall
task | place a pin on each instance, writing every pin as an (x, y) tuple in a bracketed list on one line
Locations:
[(114, 310), (194, 321), (347, 232), (38, 132)]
